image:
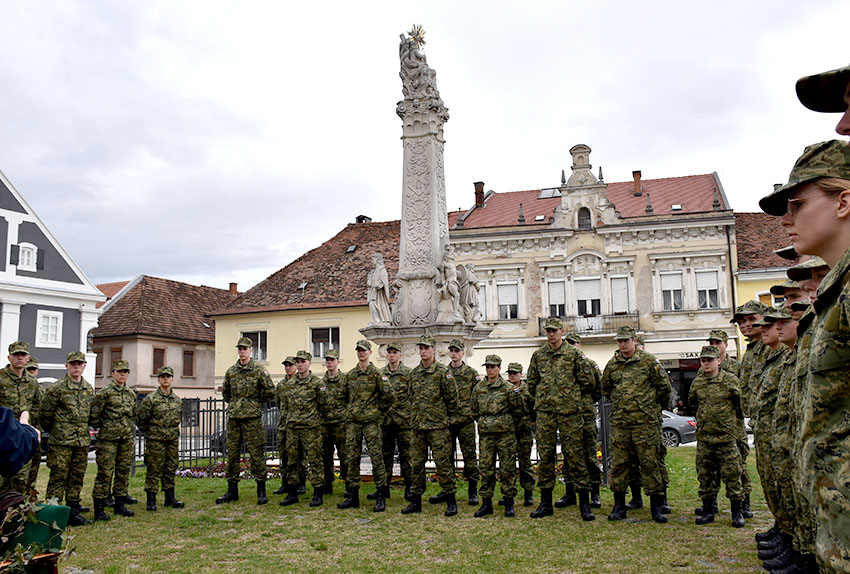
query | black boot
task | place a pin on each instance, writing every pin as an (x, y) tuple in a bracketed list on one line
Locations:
[(291, 495), (119, 509), (261, 492), (352, 499), (595, 501), (438, 498), (302, 486), (708, 506), (151, 503), (232, 494), (545, 508), (76, 518), (637, 500), (584, 505), (501, 501), (781, 547), (509, 507), (451, 505), (328, 488), (528, 499), (282, 489), (381, 501), (109, 501), (171, 500), (655, 502), (408, 496), (782, 560), (415, 505), (745, 507), (619, 512), (130, 500), (486, 508), (99, 505), (737, 516), (82, 508), (772, 532), (472, 490), (318, 497), (665, 506), (373, 495), (699, 511), (569, 498), (770, 544)]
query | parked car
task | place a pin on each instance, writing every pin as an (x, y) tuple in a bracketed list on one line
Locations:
[(676, 429), (270, 416)]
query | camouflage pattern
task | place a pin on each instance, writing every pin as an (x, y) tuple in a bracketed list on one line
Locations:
[(161, 459), (590, 436), (355, 434), (802, 271), (113, 413), (158, 417), (721, 458), (750, 372), (251, 431), (307, 440), (643, 442), (806, 528), (281, 429), (461, 422), (114, 461), (245, 389), (67, 466), (396, 426), (503, 445), (732, 366), (439, 440), (369, 396), (333, 426), (22, 394), (303, 401), (495, 405), (524, 431), (825, 425), (781, 440)]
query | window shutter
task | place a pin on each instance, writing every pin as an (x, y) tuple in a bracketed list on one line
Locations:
[(507, 295), (39, 259), (13, 255), (556, 293), (706, 280), (587, 289), (671, 282), (620, 295)]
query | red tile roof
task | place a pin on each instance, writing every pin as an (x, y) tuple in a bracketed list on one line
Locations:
[(333, 276), (757, 236), (163, 308), (110, 289)]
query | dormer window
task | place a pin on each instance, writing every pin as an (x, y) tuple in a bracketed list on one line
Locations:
[(27, 253), (585, 222)]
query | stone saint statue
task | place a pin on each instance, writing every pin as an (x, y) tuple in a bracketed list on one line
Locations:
[(419, 81), (379, 291), (469, 291), (449, 286)]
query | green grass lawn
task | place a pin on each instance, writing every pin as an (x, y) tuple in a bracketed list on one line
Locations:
[(245, 537)]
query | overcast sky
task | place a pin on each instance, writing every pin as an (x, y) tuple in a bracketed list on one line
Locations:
[(212, 142)]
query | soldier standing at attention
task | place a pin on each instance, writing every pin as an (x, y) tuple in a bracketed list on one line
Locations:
[(247, 385), (524, 430), (20, 392), (633, 382), (65, 415), (333, 421), (289, 370), (557, 379), (113, 413), (158, 417), (461, 422), (494, 403), (396, 428), (432, 396), (368, 396), (745, 317), (716, 396)]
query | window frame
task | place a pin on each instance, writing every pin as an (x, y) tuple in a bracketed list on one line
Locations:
[(260, 347), (319, 352), (45, 314), (595, 304), (672, 297), (707, 292), (191, 353), (508, 308), (32, 253), (557, 309), (589, 220), (164, 353)]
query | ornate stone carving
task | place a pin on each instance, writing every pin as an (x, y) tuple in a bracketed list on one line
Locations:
[(378, 296)]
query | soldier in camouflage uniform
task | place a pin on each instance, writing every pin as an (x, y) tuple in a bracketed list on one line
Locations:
[(65, 415), (367, 393), (494, 404), (558, 378), (20, 392), (716, 396), (524, 431), (158, 417), (461, 422), (432, 396), (633, 382), (745, 317), (395, 431), (247, 385), (289, 369), (113, 413), (32, 369), (333, 421), (304, 401)]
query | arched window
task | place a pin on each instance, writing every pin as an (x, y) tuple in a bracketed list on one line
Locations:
[(584, 220)]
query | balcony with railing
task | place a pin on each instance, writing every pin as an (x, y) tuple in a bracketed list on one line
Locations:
[(596, 324)]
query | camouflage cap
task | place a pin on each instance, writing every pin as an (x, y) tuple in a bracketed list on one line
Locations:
[(514, 368), (33, 362), (710, 352), (121, 365), (824, 92), (625, 332), (427, 341), (801, 305), (244, 342), (493, 360), (775, 315), (553, 323), (165, 372), (780, 289), (640, 340), (803, 271), (19, 347), (456, 343), (825, 159), (363, 344), (332, 354), (718, 335), (751, 307), (789, 253), (76, 356), (394, 346), (302, 354), (290, 359), (572, 337)]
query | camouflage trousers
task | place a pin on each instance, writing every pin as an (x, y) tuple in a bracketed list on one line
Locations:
[(440, 441), (723, 457), (769, 479), (114, 461), (284, 459), (35, 465), (355, 433), (644, 441), (744, 449), (21, 481), (524, 443), (308, 441), (394, 436), (783, 469), (67, 466), (502, 444), (252, 432), (826, 466), (333, 436), (590, 439), (571, 428), (464, 434), (161, 463)]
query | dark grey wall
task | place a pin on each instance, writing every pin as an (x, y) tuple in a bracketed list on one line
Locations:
[(8, 201), (70, 333), (4, 233), (55, 266)]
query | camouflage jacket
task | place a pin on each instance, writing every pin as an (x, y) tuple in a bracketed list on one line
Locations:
[(399, 383), (432, 396), (590, 399), (731, 365), (367, 393), (557, 379), (21, 394), (750, 371), (159, 415), (717, 401), (524, 418), (246, 388), (636, 388), (782, 411), (113, 411), (494, 405), (465, 378), (763, 403), (335, 403), (304, 401), (65, 412), (800, 387)]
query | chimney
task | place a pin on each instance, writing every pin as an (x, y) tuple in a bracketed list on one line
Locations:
[(636, 175), (479, 193), (362, 219), (233, 290)]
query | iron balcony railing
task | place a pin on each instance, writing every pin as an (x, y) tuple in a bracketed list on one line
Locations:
[(595, 325)]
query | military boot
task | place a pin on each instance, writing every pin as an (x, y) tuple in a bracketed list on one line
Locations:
[(373, 495), (232, 494), (708, 506), (700, 510), (381, 501), (637, 500), (486, 508), (501, 501), (408, 496), (509, 507), (745, 507), (472, 490), (619, 512), (119, 509), (737, 515), (302, 486), (528, 499), (545, 508), (655, 502), (584, 505), (291, 495), (451, 505), (569, 498), (109, 501), (781, 547), (415, 505), (772, 532), (76, 518), (352, 498), (130, 500), (318, 497), (171, 500), (99, 505), (261, 492), (782, 560), (595, 500), (151, 502), (282, 489), (438, 498), (665, 506), (770, 544)]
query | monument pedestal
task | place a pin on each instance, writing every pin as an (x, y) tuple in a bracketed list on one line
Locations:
[(408, 336)]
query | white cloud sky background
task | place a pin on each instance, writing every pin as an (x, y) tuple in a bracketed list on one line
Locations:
[(211, 142)]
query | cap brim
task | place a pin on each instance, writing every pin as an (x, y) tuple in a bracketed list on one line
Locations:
[(824, 92)]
